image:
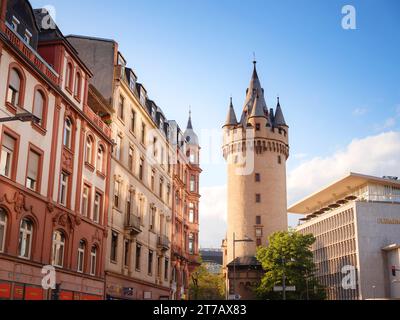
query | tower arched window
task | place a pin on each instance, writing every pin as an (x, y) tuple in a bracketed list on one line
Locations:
[(68, 133), (39, 107), (25, 239), (81, 256), (78, 85), (68, 76), (89, 149), (3, 229), (93, 260), (15, 88), (100, 159), (58, 249)]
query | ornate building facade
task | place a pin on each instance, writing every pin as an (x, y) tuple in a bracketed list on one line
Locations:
[(256, 148), (54, 170)]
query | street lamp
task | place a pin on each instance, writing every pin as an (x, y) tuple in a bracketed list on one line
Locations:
[(246, 239)]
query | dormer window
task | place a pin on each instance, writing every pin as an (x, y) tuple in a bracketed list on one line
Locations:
[(153, 112), (15, 23), (27, 37), (161, 124), (132, 82)]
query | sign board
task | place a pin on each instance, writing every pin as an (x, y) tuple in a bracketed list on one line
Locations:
[(288, 288)]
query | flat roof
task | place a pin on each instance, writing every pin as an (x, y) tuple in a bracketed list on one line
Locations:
[(340, 187)]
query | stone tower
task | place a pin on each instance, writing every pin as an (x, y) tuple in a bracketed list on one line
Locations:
[(256, 148)]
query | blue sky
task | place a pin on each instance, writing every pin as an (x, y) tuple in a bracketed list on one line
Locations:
[(335, 85)]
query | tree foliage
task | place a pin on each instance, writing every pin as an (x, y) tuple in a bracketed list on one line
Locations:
[(289, 253), (206, 286)]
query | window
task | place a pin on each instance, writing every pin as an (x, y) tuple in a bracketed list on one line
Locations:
[(279, 159), (258, 198), (67, 133), (131, 159), (85, 201), (258, 219), (126, 252), (68, 76), (143, 134), (192, 183), (155, 147), (138, 256), (117, 190), (98, 203), (7, 160), (150, 263), (63, 188), (152, 218), (39, 107), (259, 232), (25, 239), (114, 244), (89, 150), (118, 146), (152, 179), (78, 84), (258, 177), (161, 188), (159, 266), (27, 37), (258, 127), (3, 229), (14, 88), (191, 212), (93, 260), (33, 173), (121, 103), (81, 255), (191, 243), (100, 159), (258, 242), (166, 267), (141, 164), (58, 249), (153, 112), (133, 121)]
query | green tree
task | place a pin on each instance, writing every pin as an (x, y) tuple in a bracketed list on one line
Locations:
[(289, 254), (206, 286)]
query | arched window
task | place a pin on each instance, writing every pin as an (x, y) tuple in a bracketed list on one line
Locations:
[(77, 89), (58, 249), (68, 76), (100, 159), (14, 88), (3, 229), (67, 133), (39, 106), (93, 260), (81, 256), (89, 150), (25, 239)]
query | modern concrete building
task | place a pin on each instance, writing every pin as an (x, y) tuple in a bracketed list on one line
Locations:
[(256, 149), (356, 221)]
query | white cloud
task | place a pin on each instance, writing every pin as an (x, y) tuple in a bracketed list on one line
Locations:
[(213, 216), (359, 111), (377, 155), (300, 156)]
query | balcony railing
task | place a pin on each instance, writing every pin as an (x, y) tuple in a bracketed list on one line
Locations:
[(97, 121), (31, 54), (132, 223), (163, 242)]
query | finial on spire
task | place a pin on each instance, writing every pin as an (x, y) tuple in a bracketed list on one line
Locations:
[(254, 59), (278, 100), (189, 125), (190, 111)]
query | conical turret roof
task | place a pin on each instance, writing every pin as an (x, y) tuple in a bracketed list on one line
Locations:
[(231, 119), (279, 118)]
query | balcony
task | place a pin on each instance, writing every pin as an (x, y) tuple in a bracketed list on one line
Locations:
[(97, 121), (163, 242), (132, 224)]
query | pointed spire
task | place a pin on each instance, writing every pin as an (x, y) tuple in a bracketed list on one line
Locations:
[(231, 119), (189, 125), (279, 118), (258, 108)]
